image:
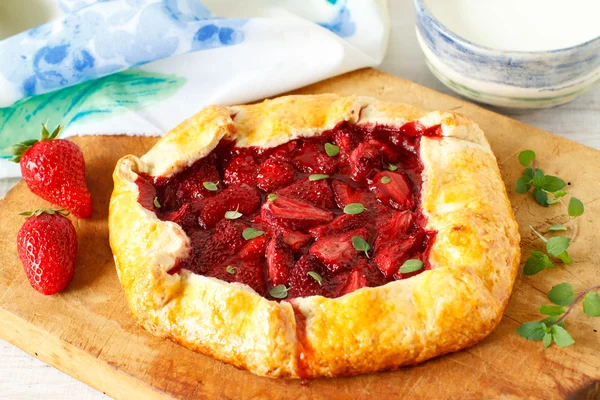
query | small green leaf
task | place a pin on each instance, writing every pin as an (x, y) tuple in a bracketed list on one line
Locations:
[(559, 193), (317, 177), (551, 320), (385, 180), (315, 276), (552, 183), (528, 172), (272, 197), (360, 244), (210, 186), (556, 245), (354, 208), (230, 270), (538, 179), (536, 263), (331, 149), (233, 214), (523, 185), (392, 167), (551, 200), (551, 309), (561, 336), (279, 292), (251, 233), (156, 203), (575, 207), (564, 256), (411, 266), (526, 157), (532, 330), (540, 196), (562, 294), (547, 339), (557, 228), (591, 304)]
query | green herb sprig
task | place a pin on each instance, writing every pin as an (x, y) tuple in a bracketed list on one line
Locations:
[(279, 291), (552, 328), (548, 190), (251, 233), (354, 208), (317, 177), (332, 150), (556, 247), (316, 277), (361, 244)]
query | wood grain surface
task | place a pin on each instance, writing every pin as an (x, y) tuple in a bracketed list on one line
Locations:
[(87, 330)]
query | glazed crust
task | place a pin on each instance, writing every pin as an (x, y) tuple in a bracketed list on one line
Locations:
[(458, 302)]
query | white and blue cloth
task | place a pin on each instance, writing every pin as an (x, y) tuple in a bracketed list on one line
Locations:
[(142, 66)]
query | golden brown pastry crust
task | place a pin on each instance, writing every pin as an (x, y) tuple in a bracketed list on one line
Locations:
[(452, 306)]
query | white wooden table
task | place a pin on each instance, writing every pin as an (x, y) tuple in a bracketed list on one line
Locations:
[(24, 377)]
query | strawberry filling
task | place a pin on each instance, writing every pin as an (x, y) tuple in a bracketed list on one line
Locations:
[(325, 216)]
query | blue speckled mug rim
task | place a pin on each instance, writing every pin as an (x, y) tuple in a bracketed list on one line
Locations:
[(519, 53)]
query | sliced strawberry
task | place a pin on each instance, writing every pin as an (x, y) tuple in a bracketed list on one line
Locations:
[(346, 138), (296, 240), (241, 169), (187, 185), (390, 256), (293, 214), (184, 217), (371, 272), (311, 158), (280, 260), (344, 194), (390, 153), (274, 173), (356, 280), (254, 249), (249, 272), (209, 252), (147, 191), (242, 197), (364, 161), (281, 152), (252, 274), (396, 192), (317, 193), (395, 224), (301, 283), (341, 223), (337, 251)]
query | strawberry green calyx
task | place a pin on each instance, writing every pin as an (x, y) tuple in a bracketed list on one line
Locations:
[(49, 211), (19, 149)]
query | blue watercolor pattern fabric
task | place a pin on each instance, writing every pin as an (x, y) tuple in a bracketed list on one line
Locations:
[(142, 66), (104, 37)]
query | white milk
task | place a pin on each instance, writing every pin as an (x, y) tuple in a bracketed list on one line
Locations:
[(523, 25)]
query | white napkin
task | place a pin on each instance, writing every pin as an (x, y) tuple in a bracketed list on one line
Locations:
[(183, 58)]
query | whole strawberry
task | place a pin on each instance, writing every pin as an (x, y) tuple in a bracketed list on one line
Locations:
[(47, 246), (54, 169)]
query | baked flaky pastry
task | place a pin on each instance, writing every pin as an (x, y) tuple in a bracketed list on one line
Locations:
[(452, 305)]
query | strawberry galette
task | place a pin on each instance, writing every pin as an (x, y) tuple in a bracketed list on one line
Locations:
[(312, 236)]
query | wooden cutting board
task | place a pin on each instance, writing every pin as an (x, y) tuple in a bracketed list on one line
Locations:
[(88, 333)]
